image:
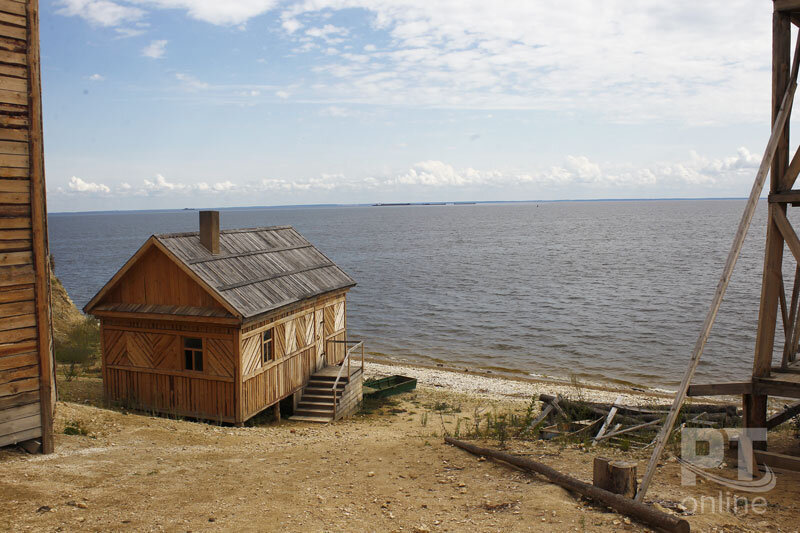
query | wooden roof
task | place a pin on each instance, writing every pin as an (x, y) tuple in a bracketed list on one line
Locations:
[(257, 270)]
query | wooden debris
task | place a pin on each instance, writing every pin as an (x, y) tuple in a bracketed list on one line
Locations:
[(609, 418), (634, 509)]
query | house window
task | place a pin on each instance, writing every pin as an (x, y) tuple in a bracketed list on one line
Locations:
[(267, 348), (193, 353)]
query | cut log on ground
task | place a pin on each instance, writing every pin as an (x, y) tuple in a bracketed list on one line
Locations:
[(640, 511), (618, 477)]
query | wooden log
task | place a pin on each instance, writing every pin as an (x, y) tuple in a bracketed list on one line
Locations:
[(634, 509), (618, 477)]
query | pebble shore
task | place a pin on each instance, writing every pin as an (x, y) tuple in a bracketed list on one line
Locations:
[(501, 388)]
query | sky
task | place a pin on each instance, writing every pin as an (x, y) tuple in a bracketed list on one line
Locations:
[(151, 104)]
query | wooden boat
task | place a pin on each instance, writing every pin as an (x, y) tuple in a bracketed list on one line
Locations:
[(389, 386)]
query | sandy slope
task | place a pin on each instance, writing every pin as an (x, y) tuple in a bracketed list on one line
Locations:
[(386, 471)]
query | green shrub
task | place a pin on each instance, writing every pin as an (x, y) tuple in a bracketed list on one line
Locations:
[(76, 427), (79, 349)]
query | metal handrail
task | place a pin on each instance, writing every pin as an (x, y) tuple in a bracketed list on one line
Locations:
[(339, 374)]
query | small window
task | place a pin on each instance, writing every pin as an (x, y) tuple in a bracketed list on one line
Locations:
[(267, 351), (193, 353)]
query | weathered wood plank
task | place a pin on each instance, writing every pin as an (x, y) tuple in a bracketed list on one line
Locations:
[(17, 322), (15, 71), (16, 275), (14, 246), (14, 84), (13, 135), (22, 436), (14, 20), (15, 223), (14, 161), (16, 348), (14, 8), (9, 121), (720, 389), (22, 411), (16, 387), (16, 295), (18, 361), (16, 210), (13, 32), (13, 147), (24, 398), (21, 424), (15, 198), (16, 258), (13, 97), (13, 58), (14, 374), (6, 172), (17, 335), (14, 186)]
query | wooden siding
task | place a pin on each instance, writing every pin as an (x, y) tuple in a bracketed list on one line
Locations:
[(26, 361), (298, 340), (143, 368), (157, 280)]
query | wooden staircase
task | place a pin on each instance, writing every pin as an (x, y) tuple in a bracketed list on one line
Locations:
[(317, 402)]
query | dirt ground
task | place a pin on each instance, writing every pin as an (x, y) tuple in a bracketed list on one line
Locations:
[(384, 470)]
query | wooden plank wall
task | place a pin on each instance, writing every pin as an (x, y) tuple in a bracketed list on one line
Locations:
[(143, 368), (27, 386), (156, 279), (295, 335)]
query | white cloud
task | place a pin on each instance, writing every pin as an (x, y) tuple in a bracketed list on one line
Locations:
[(78, 185), (190, 82), (577, 177), (687, 61), (156, 49), (291, 25), (97, 77), (328, 33), (99, 12), (129, 32), (218, 12), (282, 94)]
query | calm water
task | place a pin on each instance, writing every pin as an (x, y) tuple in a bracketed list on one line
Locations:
[(598, 289)]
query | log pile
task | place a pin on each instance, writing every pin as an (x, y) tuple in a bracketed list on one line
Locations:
[(621, 425)]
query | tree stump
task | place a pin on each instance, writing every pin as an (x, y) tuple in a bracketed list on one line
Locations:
[(618, 477)]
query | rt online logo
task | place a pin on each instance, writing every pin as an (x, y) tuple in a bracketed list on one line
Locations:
[(703, 449)]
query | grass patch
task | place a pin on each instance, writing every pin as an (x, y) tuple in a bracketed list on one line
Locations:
[(76, 427)]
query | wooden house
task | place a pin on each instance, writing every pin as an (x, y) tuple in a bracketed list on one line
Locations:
[(220, 325), (27, 384)]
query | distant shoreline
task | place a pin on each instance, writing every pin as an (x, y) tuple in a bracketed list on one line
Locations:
[(399, 204)]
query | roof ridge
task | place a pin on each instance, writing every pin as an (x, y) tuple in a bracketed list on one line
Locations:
[(234, 230)]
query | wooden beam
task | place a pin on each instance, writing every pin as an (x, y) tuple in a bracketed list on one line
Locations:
[(733, 388), (774, 387), (787, 232), (778, 460), (778, 136), (788, 346), (786, 5), (790, 411)]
